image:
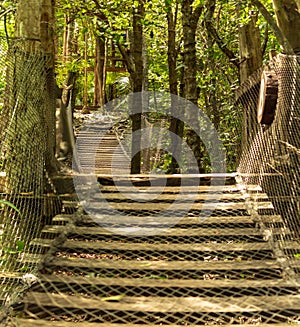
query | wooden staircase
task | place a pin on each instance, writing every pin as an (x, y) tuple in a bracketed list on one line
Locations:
[(217, 270)]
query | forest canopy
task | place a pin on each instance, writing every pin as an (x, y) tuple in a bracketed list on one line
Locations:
[(201, 50)]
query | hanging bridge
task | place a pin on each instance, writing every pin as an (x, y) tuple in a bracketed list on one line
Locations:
[(153, 250)]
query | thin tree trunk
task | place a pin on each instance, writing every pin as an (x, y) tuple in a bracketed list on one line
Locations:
[(47, 42), (190, 20), (137, 81), (100, 72), (176, 125), (65, 135), (146, 137), (212, 99)]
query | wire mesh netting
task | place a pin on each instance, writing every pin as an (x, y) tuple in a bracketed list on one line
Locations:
[(27, 200), (236, 265), (271, 152)]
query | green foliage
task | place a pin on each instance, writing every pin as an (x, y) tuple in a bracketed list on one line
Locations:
[(18, 248), (198, 3), (4, 202), (216, 77)]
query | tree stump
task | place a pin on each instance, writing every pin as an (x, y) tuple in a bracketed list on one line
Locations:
[(267, 100)]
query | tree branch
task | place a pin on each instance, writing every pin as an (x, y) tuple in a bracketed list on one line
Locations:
[(230, 54), (128, 58), (270, 20), (197, 13), (211, 4), (266, 38)]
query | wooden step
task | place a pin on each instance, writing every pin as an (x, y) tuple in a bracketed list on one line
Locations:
[(61, 220), (183, 189), (168, 304), (19, 322), (163, 197), (199, 269), (172, 232), (147, 265), (177, 206), (190, 220), (163, 283), (243, 248)]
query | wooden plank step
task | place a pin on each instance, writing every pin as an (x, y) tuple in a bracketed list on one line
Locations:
[(19, 322), (174, 231), (183, 189), (140, 196), (158, 283), (61, 220), (147, 265), (151, 220), (176, 206), (166, 266), (174, 247), (168, 304), (170, 283)]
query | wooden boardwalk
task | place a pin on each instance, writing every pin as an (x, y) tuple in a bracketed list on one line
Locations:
[(217, 270), (153, 259)]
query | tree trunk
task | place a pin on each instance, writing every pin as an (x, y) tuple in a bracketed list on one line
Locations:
[(67, 140), (288, 19), (250, 48), (190, 20), (251, 60), (65, 135), (176, 125), (28, 144), (146, 137), (47, 41), (214, 111), (137, 83), (100, 71)]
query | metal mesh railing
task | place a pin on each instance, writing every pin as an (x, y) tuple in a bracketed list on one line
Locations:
[(271, 153), (24, 206), (192, 250)]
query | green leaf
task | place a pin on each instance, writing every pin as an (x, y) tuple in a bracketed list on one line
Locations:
[(115, 298), (24, 269), (168, 4), (4, 202), (198, 3), (20, 246)]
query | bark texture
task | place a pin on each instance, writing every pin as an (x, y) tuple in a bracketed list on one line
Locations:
[(176, 125), (288, 19), (137, 86), (190, 20), (250, 48)]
